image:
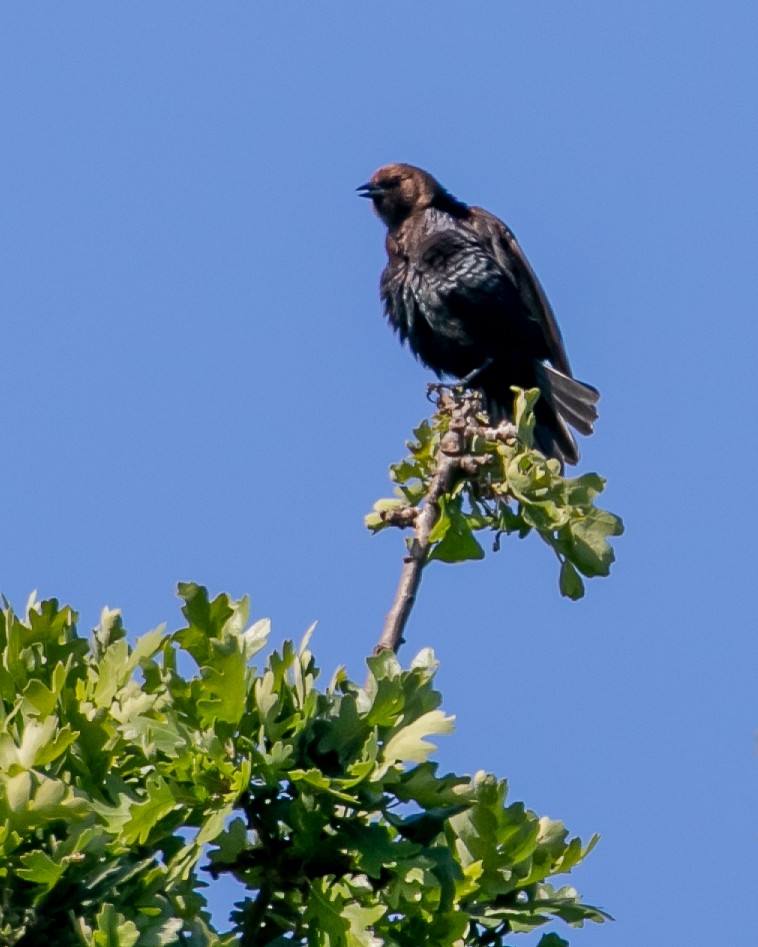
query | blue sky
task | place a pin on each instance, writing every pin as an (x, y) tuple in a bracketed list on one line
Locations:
[(197, 382)]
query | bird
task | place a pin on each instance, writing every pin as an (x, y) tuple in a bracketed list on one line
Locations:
[(458, 289)]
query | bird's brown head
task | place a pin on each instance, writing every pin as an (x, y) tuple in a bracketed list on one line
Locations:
[(399, 190)]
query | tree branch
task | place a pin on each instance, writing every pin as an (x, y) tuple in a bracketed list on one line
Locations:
[(454, 457)]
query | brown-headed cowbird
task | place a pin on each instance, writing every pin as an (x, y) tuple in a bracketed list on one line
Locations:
[(459, 290)]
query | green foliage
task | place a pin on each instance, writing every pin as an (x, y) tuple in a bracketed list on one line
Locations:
[(514, 489), (118, 773)]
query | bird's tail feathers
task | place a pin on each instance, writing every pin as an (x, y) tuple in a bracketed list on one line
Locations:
[(563, 401), (574, 400)]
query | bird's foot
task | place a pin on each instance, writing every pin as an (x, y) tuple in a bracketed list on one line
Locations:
[(472, 376), (438, 389)]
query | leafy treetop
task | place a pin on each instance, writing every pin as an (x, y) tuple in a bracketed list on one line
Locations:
[(120, 771)]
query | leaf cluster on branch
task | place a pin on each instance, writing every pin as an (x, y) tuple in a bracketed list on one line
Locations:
[(476, 477), (131, 773)]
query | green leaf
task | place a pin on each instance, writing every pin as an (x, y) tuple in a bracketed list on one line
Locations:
[(523, 413), (571, 582), (224, 684), (552, 940), (406, 470), (42, 698), (114, 930), (360, 921), (206, 619), (376, 848), (41, 869), (325, 913), (452, 535), (581, 491), (41, 743), (347, 731), (422, 786), (144, 816), (387, 699), (586, 541), (63, 739), (230, 842), (410, 743)]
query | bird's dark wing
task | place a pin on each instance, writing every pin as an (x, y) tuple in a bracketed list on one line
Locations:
[(461, 291), (466, 296), (513, 262), (454, 261)]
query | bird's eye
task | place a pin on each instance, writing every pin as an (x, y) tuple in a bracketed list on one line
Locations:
[(391, 182)]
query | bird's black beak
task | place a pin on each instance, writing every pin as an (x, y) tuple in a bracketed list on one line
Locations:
[(370, 190)]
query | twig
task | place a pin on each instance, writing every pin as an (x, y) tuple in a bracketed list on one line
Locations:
[(414, 562), (255, 916), (453, 457)]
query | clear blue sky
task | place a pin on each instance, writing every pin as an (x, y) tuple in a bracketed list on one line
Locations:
[(197, 382)]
